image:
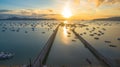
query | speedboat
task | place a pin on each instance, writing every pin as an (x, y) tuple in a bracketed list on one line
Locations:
[(5, 55)]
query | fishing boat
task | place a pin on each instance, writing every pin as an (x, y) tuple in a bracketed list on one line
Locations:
[(6, 55)]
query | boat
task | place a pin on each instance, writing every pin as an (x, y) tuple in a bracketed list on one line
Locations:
[(107, 41), (118, 39), (96, 38), (6, 55), (112, 45)]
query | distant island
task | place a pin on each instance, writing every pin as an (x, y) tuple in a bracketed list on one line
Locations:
[(45, 17), (108, 19), (18, 18), (24, 17)]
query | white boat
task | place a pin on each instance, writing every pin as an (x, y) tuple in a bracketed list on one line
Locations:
[(5, 55)]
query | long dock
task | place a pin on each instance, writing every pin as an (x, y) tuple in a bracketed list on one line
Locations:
[(105, 60), (38, 62)]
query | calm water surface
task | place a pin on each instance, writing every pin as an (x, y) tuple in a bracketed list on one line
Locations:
[(68, 50), (27, 38), (24, 38)]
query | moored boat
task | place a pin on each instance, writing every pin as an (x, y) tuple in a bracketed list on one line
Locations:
[(6, 55)]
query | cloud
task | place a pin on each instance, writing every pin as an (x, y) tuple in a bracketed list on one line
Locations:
[(99, 2), (118, 8), (103, 2), (76, 2), (50, 10), (111, 1)]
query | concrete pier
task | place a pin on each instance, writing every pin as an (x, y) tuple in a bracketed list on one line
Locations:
[(105, 60), (38, 62)]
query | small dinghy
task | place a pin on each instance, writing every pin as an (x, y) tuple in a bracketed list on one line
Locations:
[(5, 55)]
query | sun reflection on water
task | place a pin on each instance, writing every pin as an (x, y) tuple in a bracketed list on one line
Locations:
[(65, 22), (65, 31), (65, 34)]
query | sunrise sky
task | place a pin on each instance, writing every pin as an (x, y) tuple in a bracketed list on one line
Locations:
[(81, 9)]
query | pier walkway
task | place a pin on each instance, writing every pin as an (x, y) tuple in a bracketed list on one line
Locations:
[(38, 62), (105, 60)]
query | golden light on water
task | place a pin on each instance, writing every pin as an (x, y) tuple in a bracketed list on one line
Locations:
[(67, 12), (65, 34), (65, 31), (65, 22)]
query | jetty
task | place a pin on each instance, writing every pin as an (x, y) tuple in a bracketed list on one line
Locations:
[(41, 58), (106, 61)]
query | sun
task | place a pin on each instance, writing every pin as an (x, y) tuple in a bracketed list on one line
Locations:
[(67, 12)]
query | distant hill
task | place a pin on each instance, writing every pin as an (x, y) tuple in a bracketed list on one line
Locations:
[(46, 17), (24, 18), (109, 19), (33, 17)]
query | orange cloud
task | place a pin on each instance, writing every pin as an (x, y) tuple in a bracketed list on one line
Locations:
[(76, 2), (100, 2)]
